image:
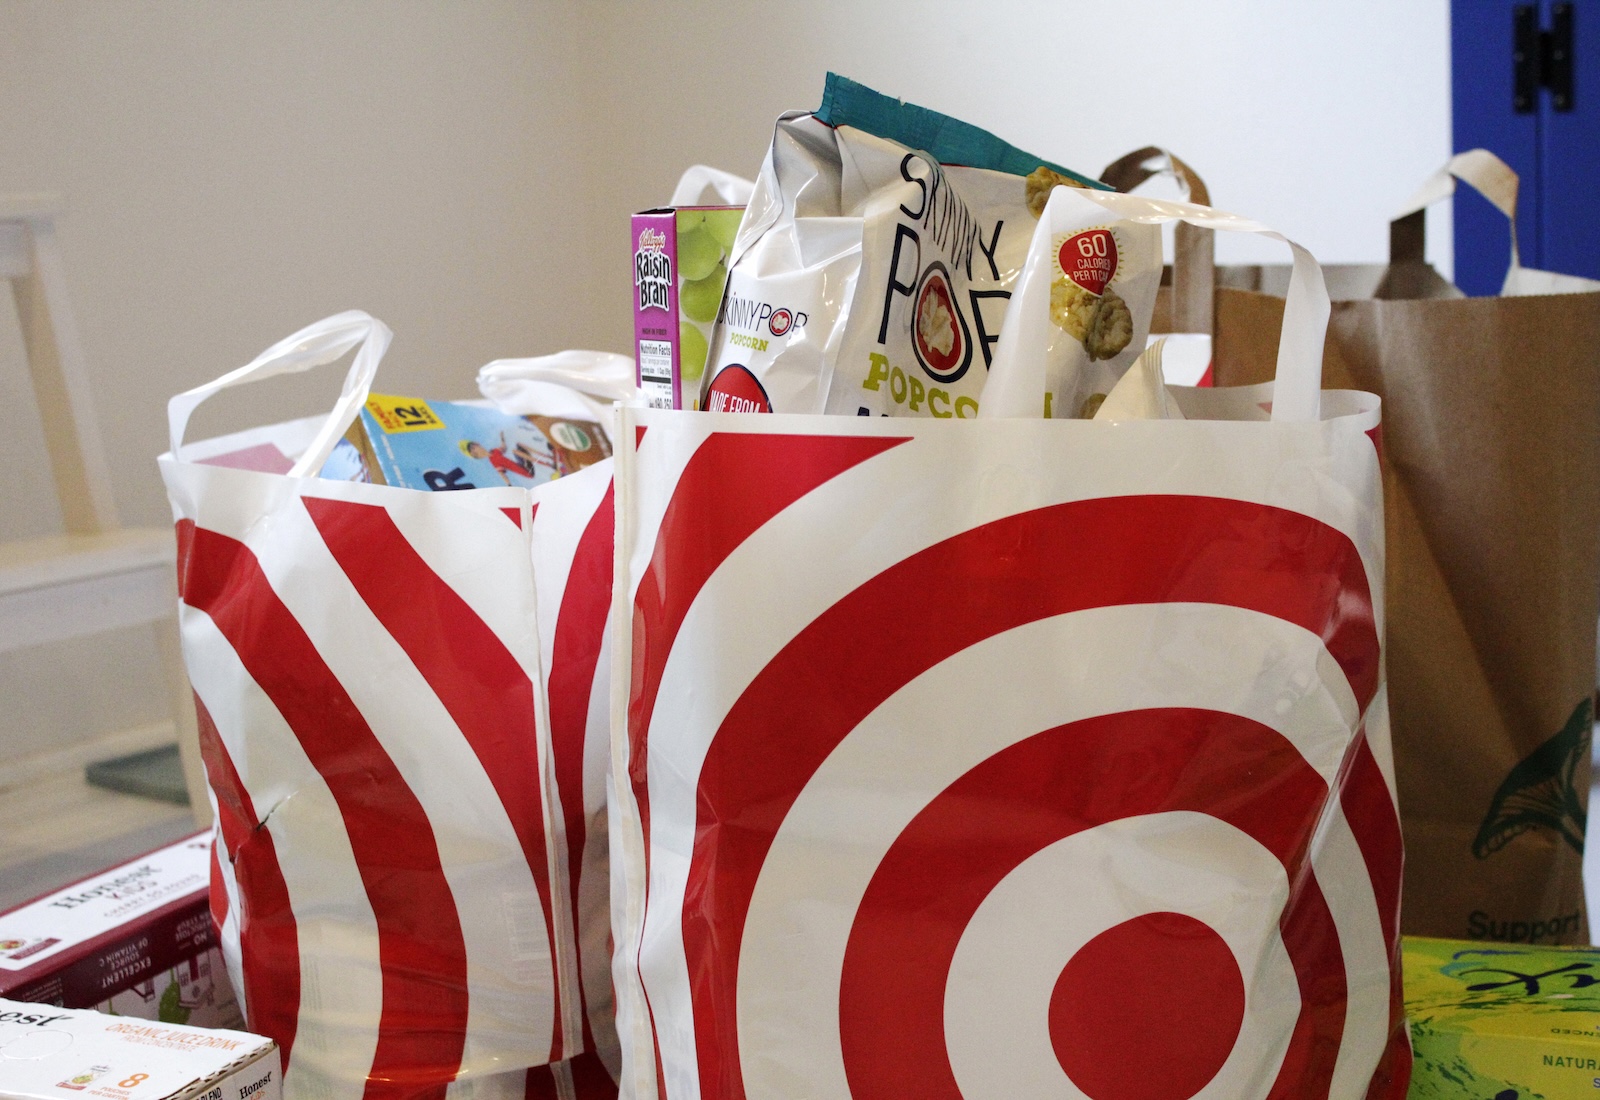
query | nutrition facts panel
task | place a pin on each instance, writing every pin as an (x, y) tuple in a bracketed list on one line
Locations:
[(655, 372)]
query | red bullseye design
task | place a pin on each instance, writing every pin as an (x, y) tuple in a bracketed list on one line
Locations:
[(935, 876), (842, 665), (1164, 981), (1056, 560)]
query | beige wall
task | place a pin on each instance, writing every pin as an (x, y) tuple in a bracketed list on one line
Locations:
[(233, 170), (464, 170), (1319, 117)]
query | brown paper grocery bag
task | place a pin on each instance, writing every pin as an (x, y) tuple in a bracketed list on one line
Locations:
[(1491, 443)]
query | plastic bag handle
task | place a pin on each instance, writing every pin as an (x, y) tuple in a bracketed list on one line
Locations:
[(1480, 170), (731, 189), (1298, 393), (1194, 259), (603, 375), (313, 346)]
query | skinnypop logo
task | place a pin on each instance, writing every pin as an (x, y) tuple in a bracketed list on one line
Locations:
[(750, 315), (652, 270)]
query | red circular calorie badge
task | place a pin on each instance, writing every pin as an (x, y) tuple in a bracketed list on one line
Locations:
[(1089, 259)]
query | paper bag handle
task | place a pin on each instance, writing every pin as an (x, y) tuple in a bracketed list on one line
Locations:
[(1194, 260), (731, 189), (1127, 172), (313, 346), (1298, 393), (1479, 169)]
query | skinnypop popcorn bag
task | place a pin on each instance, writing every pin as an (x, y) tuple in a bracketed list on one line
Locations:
[(871, 274)]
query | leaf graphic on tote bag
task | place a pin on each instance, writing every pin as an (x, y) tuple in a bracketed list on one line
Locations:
[(1541, 791), (171, 1010)]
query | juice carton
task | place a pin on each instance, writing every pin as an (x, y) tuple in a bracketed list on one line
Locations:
[(680, 267), (49, 1053), (1502, 1021)]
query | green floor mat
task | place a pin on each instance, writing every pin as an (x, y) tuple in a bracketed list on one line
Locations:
[(156, 774)]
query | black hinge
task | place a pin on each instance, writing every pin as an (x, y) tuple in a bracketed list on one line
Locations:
[(1540, 58)]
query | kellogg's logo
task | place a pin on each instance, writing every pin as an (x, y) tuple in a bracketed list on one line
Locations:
[(652, 270)]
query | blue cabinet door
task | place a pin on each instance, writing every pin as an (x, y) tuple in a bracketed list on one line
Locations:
[(1569, 157), (1555, 151)]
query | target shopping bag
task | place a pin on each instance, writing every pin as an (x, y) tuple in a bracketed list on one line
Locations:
[(1009, 758), (573, 550), (365, 662)]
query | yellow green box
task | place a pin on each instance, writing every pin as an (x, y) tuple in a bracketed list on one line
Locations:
[(1499, 1021)]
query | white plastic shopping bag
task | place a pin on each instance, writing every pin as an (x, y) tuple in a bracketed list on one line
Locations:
[(573, 551), (366, 667), (1014, 758), (573, 548), (701, 184), (583, 385)]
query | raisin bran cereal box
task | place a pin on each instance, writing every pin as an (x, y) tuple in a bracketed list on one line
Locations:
[(680, 258)]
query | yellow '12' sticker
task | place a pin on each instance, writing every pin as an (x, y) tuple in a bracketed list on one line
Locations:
[(402, 414)]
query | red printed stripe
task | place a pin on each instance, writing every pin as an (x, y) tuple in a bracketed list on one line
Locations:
[(1312, 940), (994, 578), (1392, 1079), (575, 654), (590, 1078), (1027, 797), (540, 1084), (730, 487), (422, 1028), (486, 691), (217, 895), (1370, 810), (269, 937)]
